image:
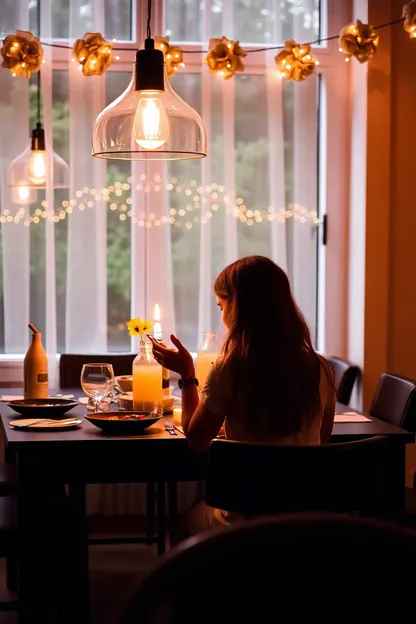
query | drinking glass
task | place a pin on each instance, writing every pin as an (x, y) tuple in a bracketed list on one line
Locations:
[(97, 381)]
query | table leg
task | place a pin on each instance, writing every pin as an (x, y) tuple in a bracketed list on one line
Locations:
[(150, 508), (38, 550), (161, 520), (172, 509), (78, 565)]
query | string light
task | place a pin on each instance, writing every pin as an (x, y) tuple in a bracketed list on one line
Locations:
[(358, 40), (409, 16), (205, 204), (295, 62), (93, 54)]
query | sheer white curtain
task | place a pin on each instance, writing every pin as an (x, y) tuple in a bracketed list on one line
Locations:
[(262, 150), (14, 136)]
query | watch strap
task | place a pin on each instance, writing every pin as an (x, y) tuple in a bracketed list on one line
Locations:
[(188, 381)]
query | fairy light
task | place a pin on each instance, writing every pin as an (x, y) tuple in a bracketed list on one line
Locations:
[(206, 203)]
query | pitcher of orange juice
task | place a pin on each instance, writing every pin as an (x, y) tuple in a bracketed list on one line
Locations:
[(206, 356)]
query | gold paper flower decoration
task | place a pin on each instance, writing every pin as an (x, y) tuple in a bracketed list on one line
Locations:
[(224, 57), (22, 53), (359, 40), (139, 327), (93, 54), (409, 15), (295, 61), (173, 56)]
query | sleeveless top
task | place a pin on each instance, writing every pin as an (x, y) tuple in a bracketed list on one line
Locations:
[(216, 395)]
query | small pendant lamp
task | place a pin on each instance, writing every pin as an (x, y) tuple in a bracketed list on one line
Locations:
[(27, 172), (149, 121)]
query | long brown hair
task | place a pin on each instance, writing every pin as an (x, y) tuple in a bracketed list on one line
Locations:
[(268, 348)]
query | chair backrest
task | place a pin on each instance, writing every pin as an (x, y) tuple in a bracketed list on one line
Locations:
[(257, 479), (395, 401), (70, 366), (345, 377), (308, 565)]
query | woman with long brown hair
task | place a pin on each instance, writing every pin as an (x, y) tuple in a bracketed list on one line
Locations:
[(268, 385)]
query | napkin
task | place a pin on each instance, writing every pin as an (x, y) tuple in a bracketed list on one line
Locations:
[(351, 417), (83, 400), (16, 397)]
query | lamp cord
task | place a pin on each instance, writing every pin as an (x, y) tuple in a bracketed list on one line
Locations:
[(149, 17), (39, 79)]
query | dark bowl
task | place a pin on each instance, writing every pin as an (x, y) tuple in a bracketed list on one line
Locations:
[(123, 423), (50, 408)]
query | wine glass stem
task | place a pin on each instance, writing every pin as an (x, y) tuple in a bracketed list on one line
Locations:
[(96, 405)]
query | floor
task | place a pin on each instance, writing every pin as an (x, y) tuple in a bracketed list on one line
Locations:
[(112, 570)]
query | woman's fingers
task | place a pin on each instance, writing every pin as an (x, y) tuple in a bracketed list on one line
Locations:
[(177, 343)]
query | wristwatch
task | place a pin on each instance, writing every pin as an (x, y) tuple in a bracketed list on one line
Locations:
[(187, 382)]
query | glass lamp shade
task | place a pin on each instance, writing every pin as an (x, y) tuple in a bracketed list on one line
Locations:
[(149, 124), (28, 171)]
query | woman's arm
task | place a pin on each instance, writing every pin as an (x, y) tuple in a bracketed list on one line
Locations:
[(199, 423)]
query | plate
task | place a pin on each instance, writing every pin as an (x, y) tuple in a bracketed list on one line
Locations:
[(33, 423), (49, 408), (123, 423)]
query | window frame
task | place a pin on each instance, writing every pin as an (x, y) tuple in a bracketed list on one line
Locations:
[(332, 293)]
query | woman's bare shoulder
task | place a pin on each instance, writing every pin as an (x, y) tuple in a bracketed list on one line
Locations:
[(326, 366)]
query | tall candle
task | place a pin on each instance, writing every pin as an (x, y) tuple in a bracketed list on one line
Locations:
[(157, 325), (157, 333)]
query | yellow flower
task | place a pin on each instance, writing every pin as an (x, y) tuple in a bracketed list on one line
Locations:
[(139, 327)]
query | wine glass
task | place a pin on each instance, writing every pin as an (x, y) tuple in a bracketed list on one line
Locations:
[(97, 381)]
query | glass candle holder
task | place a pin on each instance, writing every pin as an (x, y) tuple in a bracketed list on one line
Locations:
[(147, 381)]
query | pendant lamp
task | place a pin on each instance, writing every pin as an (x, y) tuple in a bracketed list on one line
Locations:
[(149, 121), (28, 171)]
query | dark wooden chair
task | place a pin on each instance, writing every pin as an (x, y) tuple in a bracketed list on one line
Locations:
[(257, 479), (395, 401), (345, 378), (301, 566), (70, 366), (9, 549)]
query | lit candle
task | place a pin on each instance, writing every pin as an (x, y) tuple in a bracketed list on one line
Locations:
[(177, 415), (157, 325)]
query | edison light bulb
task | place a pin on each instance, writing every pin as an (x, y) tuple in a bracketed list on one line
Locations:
[(37, 167), (151, 125), (23, 193)]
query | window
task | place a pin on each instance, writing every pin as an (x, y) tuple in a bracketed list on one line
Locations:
[(129, 235), (253, 21)]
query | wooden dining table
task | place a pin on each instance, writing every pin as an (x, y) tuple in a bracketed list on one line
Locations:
[(53, 540)]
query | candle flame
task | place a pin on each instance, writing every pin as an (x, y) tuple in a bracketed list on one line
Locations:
[(156, 313)]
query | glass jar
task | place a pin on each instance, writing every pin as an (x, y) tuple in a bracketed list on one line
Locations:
[(206, 356), (147, 381)]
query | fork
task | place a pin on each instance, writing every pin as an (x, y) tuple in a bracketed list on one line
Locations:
[(51, 420), (169, 428)]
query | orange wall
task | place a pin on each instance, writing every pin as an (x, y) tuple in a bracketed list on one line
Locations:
[(402, 282), (390, 254)]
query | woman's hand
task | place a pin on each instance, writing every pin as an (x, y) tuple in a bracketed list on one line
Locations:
[(178, 360)]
